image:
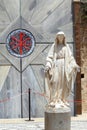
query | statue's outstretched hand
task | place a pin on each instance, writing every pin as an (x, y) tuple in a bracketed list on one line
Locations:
[(46, 69), (78, 68)]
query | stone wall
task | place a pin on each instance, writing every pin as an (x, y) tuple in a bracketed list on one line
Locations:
[(84, 67), (76, 11), (80, 33)]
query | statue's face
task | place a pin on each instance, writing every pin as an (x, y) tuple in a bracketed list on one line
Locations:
[(60, 38)]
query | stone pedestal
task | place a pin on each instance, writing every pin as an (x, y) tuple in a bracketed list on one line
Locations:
[(57, 120)]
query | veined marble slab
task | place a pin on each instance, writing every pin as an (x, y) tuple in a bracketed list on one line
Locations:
[(4, 70), (43, 17)]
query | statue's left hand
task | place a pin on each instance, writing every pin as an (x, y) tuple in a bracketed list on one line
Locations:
[(78, 68)]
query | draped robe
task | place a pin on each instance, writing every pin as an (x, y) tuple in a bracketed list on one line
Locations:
[(62, 73)]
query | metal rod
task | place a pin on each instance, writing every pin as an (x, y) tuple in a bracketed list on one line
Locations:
[(21, 87), (29, 107), (29, 104)]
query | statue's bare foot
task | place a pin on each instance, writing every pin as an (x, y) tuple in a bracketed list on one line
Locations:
[(61, 104), (66, 103), (52, 104), (58, 105)]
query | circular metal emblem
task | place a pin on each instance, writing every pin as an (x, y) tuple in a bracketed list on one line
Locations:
[(20, 43)]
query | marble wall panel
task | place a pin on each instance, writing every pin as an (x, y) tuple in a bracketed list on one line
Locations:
[(10, 94), (4, 70), (15, 24), (11, 59), (9, 11), (48, 17), (44, 18)]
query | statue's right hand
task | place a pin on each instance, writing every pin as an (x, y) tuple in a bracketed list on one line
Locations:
[(46, 69)]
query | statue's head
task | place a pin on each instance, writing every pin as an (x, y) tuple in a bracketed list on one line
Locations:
[(60, 38)]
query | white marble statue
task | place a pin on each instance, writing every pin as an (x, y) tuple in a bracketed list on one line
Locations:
[(60, 72)]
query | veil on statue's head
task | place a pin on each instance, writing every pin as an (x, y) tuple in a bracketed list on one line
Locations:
[(56, 39)]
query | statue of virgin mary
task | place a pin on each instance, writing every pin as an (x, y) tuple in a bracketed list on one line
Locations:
[(60, 72)]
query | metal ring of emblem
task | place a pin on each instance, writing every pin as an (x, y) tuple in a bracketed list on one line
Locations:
[(20, 43)]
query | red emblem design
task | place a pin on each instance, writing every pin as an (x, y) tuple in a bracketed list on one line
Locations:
[(20, 43)]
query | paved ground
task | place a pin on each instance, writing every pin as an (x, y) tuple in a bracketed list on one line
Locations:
[(77, 123)]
